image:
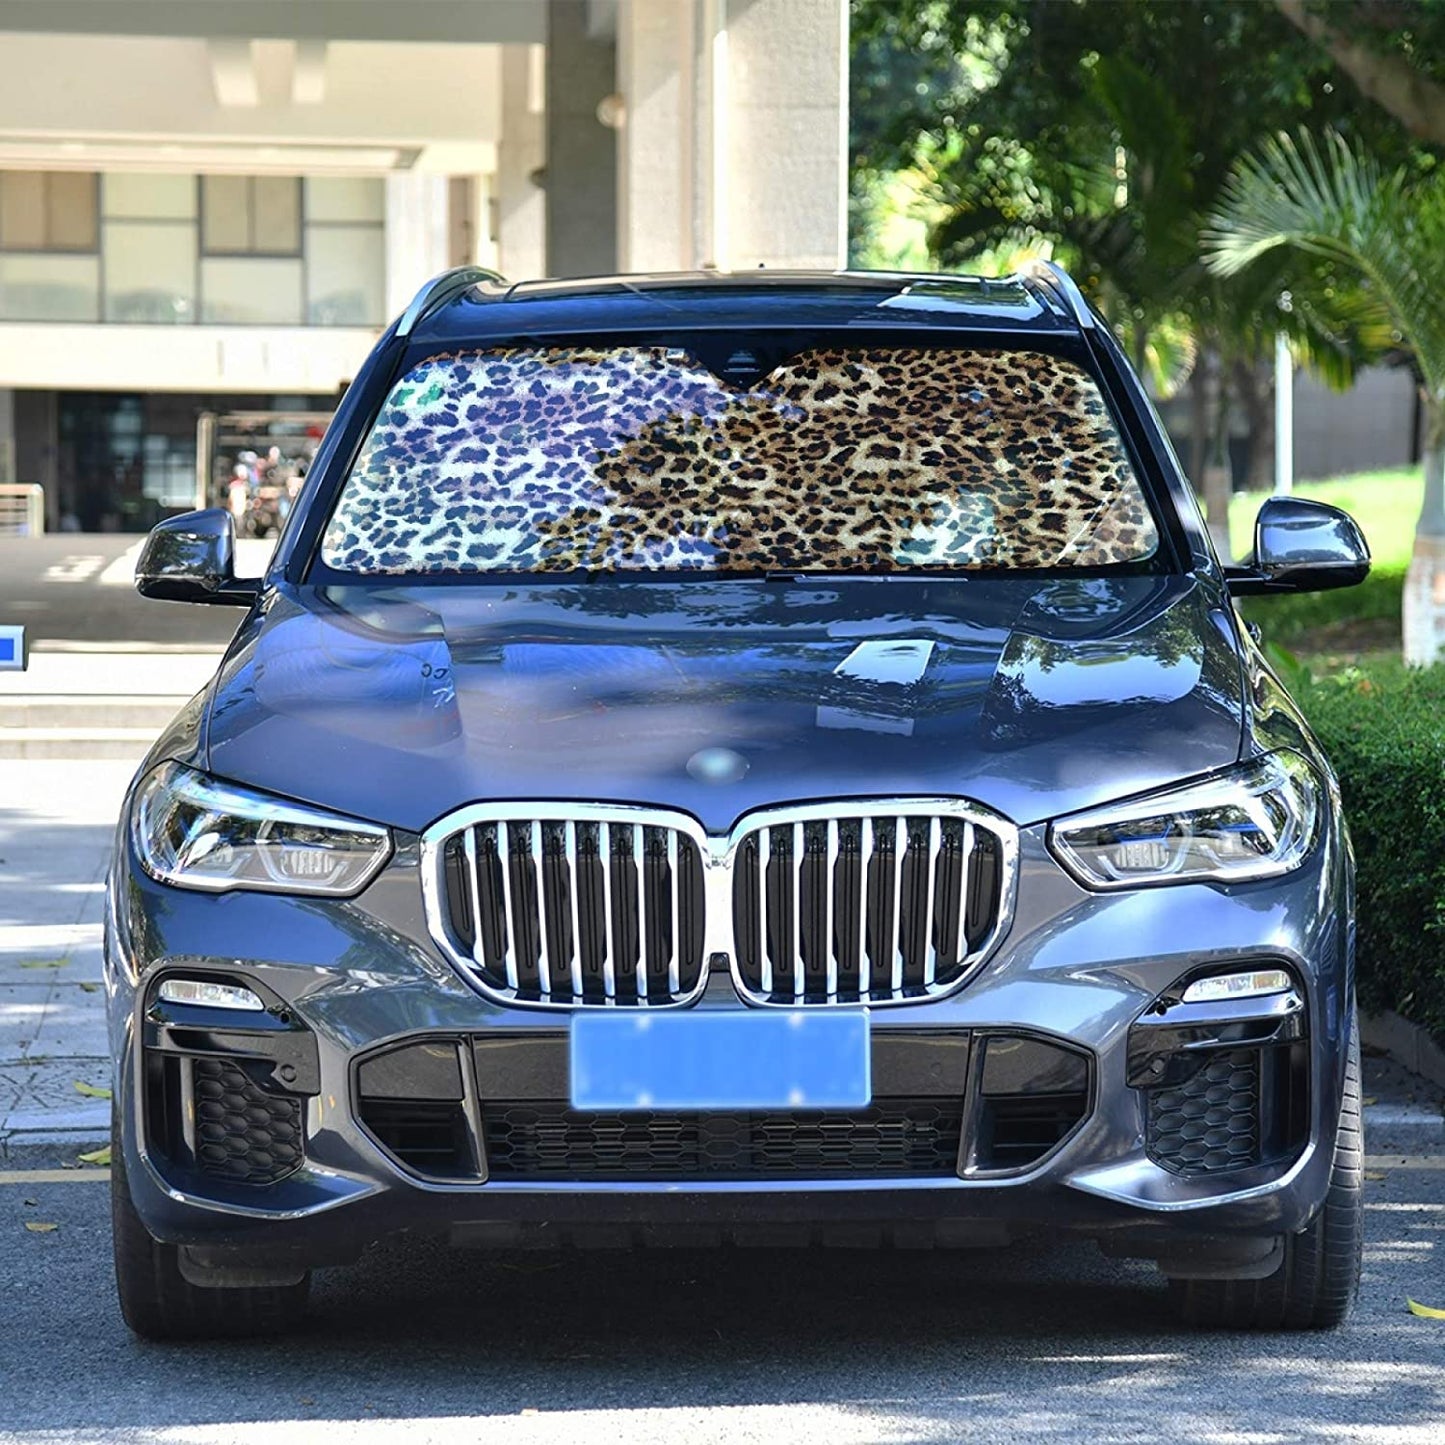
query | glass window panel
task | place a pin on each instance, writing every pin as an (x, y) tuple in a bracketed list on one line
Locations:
[(70, 210), (150, 271), (49, 287), (22, 210), (345, 275), (251, 291), (345, 198), (276, 215), (150, 198), (225, 213)]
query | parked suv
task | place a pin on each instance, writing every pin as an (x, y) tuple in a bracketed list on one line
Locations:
[(764, 755)]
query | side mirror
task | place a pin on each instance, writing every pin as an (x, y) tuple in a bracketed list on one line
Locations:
[(1302, 546), (192, 558)]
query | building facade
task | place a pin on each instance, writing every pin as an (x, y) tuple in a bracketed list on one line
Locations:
[(211, 209)]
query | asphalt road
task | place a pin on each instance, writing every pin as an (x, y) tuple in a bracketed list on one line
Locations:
[(420, 1344), (71, 588)]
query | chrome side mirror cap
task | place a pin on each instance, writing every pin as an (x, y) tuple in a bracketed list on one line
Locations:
[(1302, 545), (192, 558)]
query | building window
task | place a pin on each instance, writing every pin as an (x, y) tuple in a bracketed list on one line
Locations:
[(251, 215), (150, 248), (48, 211), (345, 251), (149, 242)]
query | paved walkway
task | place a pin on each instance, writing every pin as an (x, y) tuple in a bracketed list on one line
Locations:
[(56, 822)]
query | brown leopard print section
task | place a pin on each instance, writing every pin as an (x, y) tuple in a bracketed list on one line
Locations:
[(639, 458)]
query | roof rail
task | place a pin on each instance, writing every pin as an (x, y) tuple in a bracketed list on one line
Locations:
[(443, 288), (1065, 287)]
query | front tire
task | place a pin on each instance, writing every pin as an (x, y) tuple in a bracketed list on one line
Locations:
[(1317, 1281), (159, 1303)]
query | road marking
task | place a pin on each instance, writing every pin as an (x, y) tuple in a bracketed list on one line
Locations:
[(121, 572), (54, 1176), (75, 568)]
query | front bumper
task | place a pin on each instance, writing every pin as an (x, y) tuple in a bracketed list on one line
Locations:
[(359, 982)]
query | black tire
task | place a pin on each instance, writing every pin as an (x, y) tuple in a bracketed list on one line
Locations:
[(159, 1303), (1315, 1286)]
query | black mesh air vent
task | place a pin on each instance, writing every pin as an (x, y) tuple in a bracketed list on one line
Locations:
[(242, 1132)]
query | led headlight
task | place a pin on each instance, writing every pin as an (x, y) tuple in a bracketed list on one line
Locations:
[(198, 832), (1257, 820)]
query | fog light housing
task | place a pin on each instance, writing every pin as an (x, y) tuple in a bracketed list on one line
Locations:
[(1247, 983), (206, 993)]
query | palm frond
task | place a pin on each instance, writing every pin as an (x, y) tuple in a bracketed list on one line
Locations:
[(1336, 203)]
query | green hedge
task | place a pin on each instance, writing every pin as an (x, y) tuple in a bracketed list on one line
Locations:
[(1384, 731), (1301, 617)]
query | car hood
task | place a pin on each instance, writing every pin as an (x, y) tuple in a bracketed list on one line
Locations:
[(716, 697)]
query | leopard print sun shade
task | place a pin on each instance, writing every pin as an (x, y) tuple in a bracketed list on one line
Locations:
[(639, 458)]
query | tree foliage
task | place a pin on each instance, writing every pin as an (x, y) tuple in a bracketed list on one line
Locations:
[(1104, 132), (1336, 201)]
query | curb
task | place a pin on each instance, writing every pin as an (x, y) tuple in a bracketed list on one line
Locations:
[(1408, 1044), (1402, 1128)]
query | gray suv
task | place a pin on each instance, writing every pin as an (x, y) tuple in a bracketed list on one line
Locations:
[(763, 756)]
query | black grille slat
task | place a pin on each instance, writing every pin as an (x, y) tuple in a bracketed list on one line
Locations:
[(917, 930), (572, 911), (894, 1138), (874, 904)]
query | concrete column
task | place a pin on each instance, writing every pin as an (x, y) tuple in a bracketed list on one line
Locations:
[(521, 202), (656, 174), (581, 150), (787, 133), (7, 437), (734, 151), (417, 240)]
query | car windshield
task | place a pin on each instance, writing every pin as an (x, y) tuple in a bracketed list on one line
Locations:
[(633, 458)]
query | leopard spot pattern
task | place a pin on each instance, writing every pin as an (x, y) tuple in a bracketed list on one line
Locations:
[(560, 458)]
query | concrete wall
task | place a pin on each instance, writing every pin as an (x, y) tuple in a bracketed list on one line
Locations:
[(180, 358), (1371, 426)]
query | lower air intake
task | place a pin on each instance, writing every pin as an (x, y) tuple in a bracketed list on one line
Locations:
[(895, 1138)]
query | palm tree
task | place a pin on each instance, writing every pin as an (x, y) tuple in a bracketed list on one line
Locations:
[(1337, 203)]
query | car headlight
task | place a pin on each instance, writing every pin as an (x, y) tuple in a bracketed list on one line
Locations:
[(197, 832), (1257, 820)]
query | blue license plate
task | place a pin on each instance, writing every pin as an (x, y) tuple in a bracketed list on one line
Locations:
[(754, 1059)]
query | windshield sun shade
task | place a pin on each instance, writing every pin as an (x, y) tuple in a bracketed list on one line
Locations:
[(640, 458)]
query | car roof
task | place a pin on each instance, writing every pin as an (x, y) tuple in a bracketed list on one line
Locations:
[(476, 308)]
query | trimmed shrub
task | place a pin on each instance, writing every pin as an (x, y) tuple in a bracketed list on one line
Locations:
[(1384, 731), (1299, 617)]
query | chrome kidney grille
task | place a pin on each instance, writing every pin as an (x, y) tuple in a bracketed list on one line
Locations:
[(864, 909), (574, 910), (575, 904)]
